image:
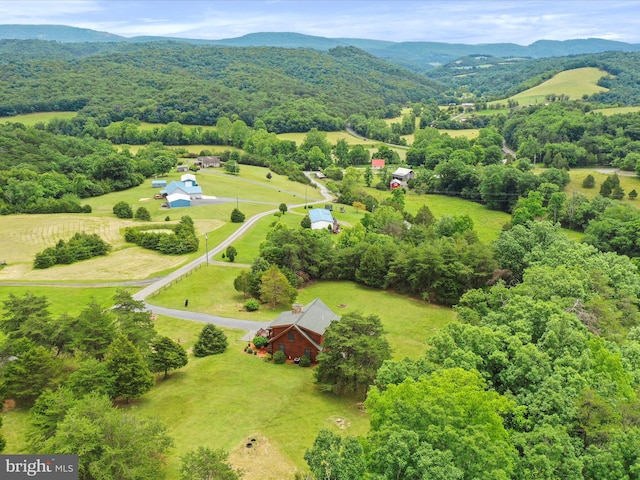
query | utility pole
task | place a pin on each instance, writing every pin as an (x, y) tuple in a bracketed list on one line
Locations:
[(206, 243)]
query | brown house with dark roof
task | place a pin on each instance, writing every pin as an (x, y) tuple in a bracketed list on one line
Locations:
[(301, 331), (208, 161)]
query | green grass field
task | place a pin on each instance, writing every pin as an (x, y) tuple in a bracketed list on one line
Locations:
[(575, 83), (30, 119), (628, 181), (616, 110)]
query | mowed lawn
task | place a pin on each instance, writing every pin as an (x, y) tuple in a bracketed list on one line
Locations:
[(225, 401)]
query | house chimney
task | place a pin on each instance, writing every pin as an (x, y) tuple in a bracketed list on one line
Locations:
[(296, 308)]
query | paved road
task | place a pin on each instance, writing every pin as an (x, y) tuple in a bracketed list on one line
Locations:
[(249, 325)]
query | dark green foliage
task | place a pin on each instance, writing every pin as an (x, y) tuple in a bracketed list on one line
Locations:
[(142, 214), (589, 181), (305, 222), (279, 357), (237, 216), (166, 355), (305, 361), (81, 246), (29, 374), (122, 210), (204, 463), (211, 341), (133, 320), (283, 208), (183, 240), (114, 443), (3, 442), (91, 376), (633, 194), (94, 330), (260, 341), (231, 253), (336, 458), (242, 283), (354, 349), (131, 375)]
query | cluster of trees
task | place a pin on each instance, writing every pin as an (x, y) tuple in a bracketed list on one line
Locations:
[(124, 210), (42, 172), (182, 240), (437, 259), (69, 369), (79, 247), (538, 379)]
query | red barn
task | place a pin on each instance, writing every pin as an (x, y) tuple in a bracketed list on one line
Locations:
[(301, 331)]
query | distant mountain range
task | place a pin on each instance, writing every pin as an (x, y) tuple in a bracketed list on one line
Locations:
[(417, 56)]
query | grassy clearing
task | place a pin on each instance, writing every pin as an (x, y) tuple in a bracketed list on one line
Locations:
[(575, 83), (224, 401), (616, 110), (30, 119), (332, 137), (469, 133), (628, 181)]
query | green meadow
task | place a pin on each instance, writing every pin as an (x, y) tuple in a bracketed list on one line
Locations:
[(30, 119), (574, 83)]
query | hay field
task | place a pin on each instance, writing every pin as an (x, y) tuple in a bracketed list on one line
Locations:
[(30, 119), (22, 236), (575, 83), (616, 110)]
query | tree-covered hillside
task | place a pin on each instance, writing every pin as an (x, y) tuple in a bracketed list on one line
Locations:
[(289, 89), (497, 78)]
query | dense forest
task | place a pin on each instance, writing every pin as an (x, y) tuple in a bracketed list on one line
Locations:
[(290, 90)]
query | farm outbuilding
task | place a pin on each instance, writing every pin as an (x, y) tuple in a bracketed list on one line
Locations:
[(321, 218), (377, 163), (186, 188), (403, 175), (189, 177), (300, 332), (183, 168), (178, 200), (158, 183)]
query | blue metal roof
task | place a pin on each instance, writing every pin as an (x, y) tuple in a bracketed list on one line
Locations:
[(320, 215)]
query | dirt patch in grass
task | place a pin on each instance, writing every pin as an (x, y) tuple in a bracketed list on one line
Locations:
[(261, 460)]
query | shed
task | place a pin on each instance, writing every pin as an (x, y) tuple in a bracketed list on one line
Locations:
[(177, 200), (321, 218), (183, 168), (158, 183), (189, 177), (377, 163)]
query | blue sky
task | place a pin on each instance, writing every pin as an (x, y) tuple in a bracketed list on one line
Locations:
[(452, 21)]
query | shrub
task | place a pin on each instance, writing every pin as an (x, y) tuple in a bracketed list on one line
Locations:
[(142, 214), (268, 357), (249, 350), (589, 181), (260, 341), (279, 357), (251, 305), (167, 218), (211, 340), (304, 361), (122, 210), (237, 216)]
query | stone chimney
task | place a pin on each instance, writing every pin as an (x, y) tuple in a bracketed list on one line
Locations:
[(296, 308)]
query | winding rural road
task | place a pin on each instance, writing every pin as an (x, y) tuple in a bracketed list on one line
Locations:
[(162, 282)]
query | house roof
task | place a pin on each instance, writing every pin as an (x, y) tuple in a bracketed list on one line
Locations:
[(172, 197), (189, 190), (315, 317), (320, 215), (402, 172), (188, 176), (377, 162)]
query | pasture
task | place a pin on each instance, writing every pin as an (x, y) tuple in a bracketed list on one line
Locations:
[(574, 83), (616, 110), (30, 119), (628, 181)]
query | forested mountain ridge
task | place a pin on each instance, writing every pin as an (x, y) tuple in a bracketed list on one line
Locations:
[(289, 89), (497, 78), (417, 56)]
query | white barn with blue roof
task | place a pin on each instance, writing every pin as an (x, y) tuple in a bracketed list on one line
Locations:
[(321, 218)]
